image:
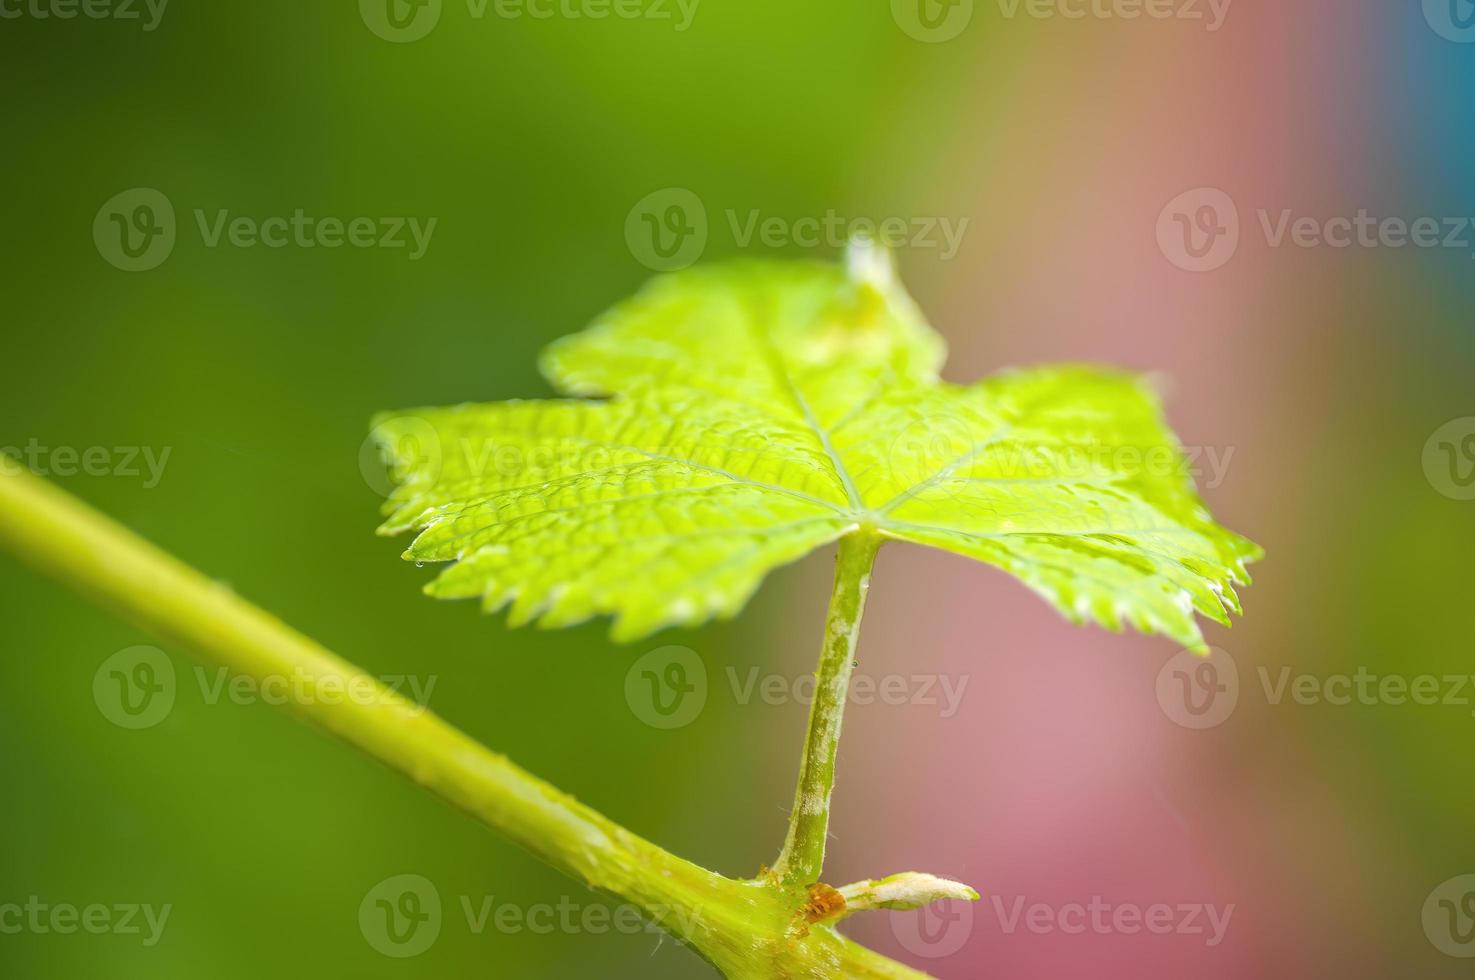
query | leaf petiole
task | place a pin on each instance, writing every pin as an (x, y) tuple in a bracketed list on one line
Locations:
[(803, 855)]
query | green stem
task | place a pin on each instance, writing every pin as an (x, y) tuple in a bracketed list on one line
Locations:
[(743, 928), (803, 855)]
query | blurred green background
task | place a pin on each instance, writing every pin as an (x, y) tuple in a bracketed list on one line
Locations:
[(529, 141)]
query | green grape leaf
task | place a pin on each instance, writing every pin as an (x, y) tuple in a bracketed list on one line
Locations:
[(732, 418)]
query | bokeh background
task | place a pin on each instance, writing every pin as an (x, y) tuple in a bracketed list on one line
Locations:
[(1320, 373)]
